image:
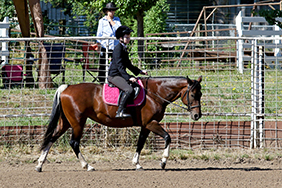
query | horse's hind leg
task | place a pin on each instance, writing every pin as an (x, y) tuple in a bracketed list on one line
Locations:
[(42, 157), (75, 141), (141, 141), (155, 127), (61, 129)]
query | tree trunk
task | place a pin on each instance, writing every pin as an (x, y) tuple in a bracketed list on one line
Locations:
[(23, 17), (44, 76), (140, 33), (21, 7), (29, 81), (36, 13)]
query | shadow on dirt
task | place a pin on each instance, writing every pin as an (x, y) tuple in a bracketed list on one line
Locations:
[(202, 169)]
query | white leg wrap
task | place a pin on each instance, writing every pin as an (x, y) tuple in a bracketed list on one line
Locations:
[(84, 164), (166, 154), (43, 157), (165, 157), (135, 161)]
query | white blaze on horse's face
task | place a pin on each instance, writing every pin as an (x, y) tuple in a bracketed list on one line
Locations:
[(196, 113), (193, 98)]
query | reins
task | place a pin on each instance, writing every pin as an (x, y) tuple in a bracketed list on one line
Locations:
[(186, 93)]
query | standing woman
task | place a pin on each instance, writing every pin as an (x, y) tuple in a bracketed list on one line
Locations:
[(107, 28)]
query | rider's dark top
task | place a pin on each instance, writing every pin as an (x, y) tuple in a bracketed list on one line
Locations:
[(120, 62)]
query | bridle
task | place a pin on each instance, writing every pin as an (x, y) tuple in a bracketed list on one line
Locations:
[(190, 107), (187, 95)]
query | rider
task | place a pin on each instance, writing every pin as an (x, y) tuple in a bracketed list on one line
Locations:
[(117, 71)]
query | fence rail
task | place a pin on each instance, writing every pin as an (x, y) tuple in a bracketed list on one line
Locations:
[(229, 97)]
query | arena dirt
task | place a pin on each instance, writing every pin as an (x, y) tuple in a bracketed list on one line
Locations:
[(114, 169)]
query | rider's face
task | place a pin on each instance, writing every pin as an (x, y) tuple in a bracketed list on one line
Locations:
[(126, 38)]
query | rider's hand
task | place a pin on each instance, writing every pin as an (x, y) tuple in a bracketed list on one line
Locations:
[(98, 48), (132, 79), (144, 72)]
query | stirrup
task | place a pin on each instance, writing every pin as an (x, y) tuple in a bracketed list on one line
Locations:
[(122, 115)]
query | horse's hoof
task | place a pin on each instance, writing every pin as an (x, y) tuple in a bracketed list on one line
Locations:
[(38, 169), (90, 168), (163, 165), (139, 167)]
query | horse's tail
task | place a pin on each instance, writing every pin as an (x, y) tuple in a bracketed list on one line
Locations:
[(54, 118)]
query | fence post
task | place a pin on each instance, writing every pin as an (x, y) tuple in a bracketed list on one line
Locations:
[(260, 107), (257, 81), (106, 81), (107, 61), (277, 52), (240, 50), (253, 59), (4, 32)]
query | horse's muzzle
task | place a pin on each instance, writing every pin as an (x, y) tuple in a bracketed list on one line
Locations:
[(196, 116)]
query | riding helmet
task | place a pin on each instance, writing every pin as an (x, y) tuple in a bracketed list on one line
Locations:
[(122, 30)]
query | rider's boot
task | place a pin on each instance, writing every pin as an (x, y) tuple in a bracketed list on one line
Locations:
[(122, 105)]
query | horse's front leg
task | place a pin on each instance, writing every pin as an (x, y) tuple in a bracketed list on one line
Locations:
[(156, 128), (166, 151), (141, 141)]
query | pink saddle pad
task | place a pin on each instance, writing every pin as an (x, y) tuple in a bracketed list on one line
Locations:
[(111, 94)]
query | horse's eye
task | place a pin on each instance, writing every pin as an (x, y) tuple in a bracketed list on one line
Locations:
[(192, 95)]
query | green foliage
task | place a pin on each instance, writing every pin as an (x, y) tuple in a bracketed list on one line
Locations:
[(270, 16), (7, 9), (154, 22), (129, 8), (217, 156), (204, 157), (155, 18), (268, 157), (154, 12), (245, 156), (75, 8)]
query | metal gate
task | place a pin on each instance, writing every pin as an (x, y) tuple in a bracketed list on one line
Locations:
[(239, 109)]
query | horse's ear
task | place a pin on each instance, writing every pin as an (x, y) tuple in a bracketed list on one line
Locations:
[(190, 82), (199, 79)]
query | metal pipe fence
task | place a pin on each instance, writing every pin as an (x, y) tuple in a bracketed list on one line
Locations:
[(239, 109)]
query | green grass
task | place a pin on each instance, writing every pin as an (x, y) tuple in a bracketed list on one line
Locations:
[(26, 153)]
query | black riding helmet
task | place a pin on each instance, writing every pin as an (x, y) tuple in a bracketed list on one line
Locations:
[(122, 30)]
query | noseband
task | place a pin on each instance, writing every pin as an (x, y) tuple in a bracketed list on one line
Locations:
[(190, 107)]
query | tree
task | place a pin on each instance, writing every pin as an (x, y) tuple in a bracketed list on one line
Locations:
[(129, 11), (137, 8), (270, 16), (7, 9)]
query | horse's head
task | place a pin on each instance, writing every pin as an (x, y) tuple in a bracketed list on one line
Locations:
[(191, 97)]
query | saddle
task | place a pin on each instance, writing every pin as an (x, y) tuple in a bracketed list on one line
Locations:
[(112, 94)]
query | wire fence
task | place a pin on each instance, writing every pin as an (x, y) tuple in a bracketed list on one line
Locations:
[(232, 115)]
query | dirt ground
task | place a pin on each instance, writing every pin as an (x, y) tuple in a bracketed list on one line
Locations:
[(114, 169)]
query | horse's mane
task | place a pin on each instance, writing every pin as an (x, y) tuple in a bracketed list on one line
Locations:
[(169, 79), (164, 77)]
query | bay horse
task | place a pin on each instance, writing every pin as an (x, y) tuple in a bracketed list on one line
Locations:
[(73, 104)]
